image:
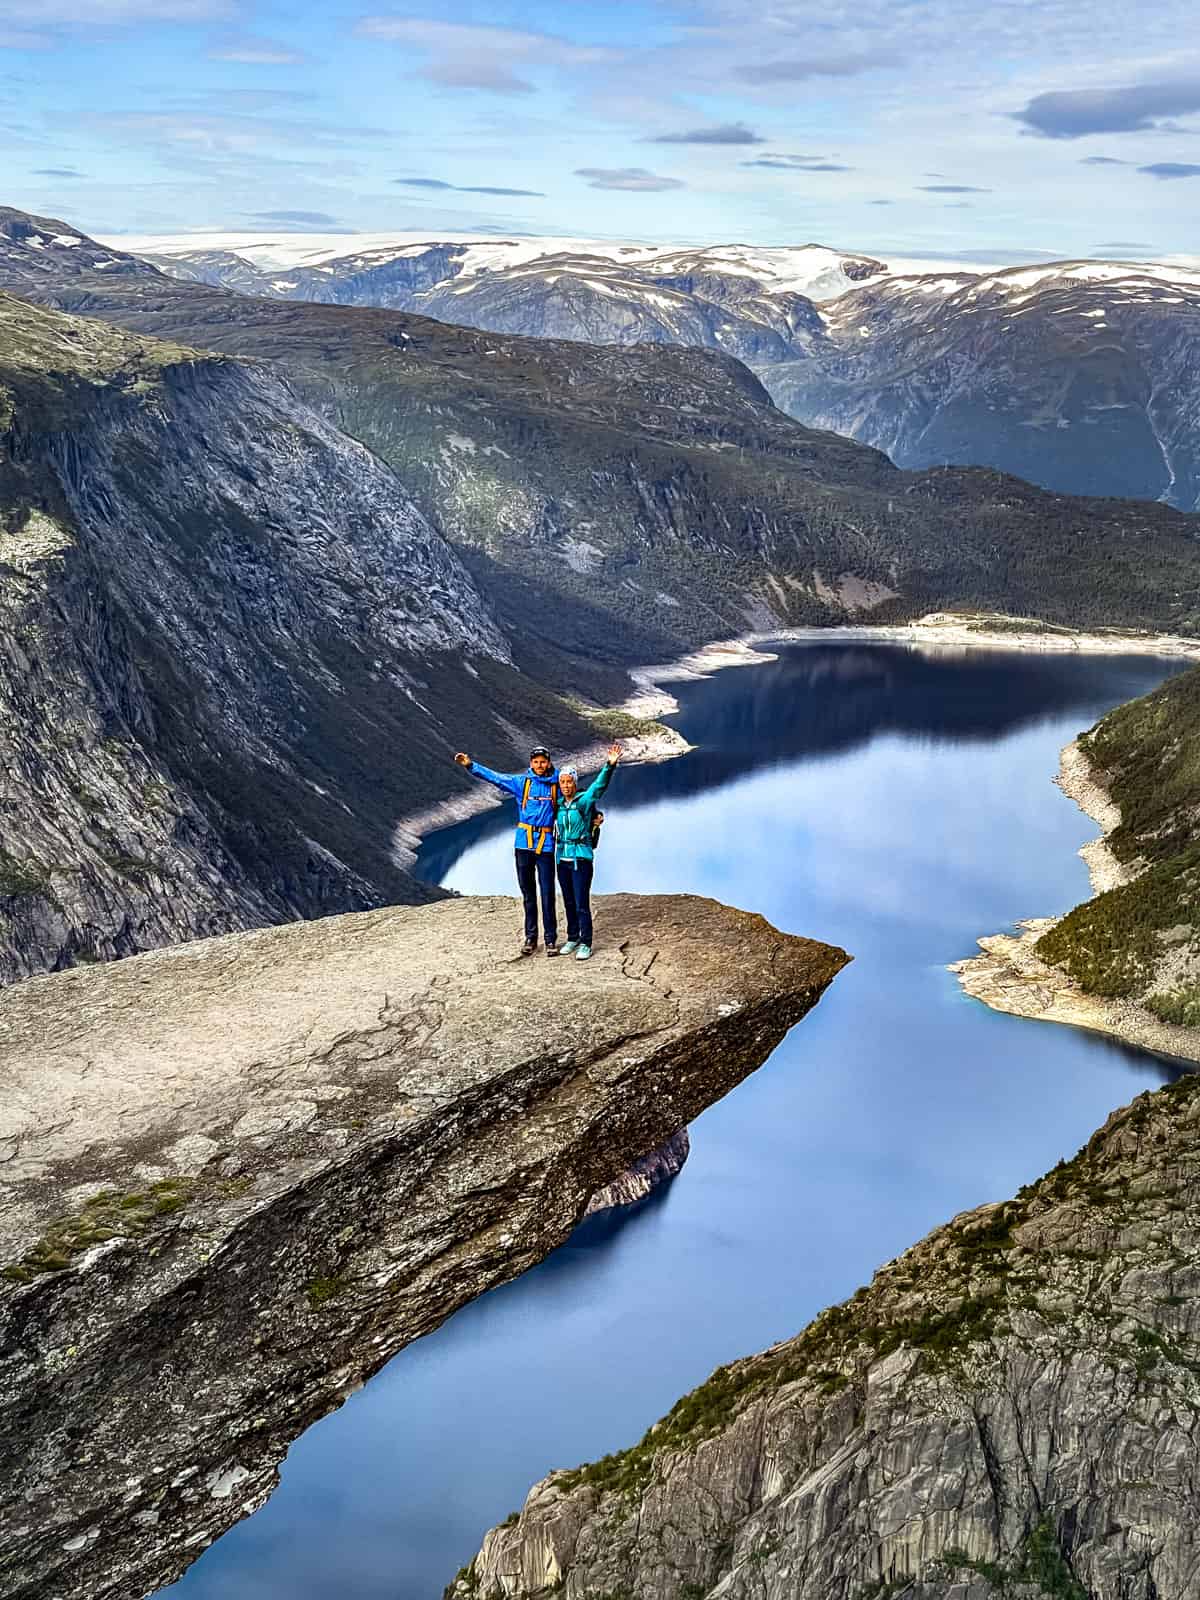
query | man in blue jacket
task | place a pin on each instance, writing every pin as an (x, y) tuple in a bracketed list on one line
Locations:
[(536, 794)]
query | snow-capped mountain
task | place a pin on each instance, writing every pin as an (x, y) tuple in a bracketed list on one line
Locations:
[(1081, 376), (754, 303), (36, 248)]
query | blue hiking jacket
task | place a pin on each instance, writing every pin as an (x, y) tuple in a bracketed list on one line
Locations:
[(535, 799), (575, 818)]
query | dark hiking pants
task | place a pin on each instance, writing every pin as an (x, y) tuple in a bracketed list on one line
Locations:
[(575, 881), (536, 872)]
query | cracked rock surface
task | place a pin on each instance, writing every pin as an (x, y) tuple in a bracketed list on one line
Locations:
[(1010, 1409), (237, 1175)]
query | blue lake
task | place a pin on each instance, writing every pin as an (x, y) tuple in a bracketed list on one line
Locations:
[(891, 802)]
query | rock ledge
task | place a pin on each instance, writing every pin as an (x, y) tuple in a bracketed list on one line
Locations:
[(239, 1175)]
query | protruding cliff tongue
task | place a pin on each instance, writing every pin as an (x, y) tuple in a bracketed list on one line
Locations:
[(238, 1175)]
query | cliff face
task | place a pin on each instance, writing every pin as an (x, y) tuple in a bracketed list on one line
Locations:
[(232, 651), (1010, 1409), (630, 500), (237, 1175), (643, 1176)]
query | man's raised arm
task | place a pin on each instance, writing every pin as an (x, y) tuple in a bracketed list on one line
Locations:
[(506, 782)]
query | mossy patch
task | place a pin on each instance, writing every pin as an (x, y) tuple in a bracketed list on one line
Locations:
[(321, 1290), (112, 1214)]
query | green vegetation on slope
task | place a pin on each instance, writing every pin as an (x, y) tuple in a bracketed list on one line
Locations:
[(1139, 941), (661, 489)]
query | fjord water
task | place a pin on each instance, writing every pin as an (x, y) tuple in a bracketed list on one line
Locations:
[(895, 803)]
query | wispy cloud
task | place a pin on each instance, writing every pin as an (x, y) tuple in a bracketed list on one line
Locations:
[(951, 188), (634, 179), (1102, 161), (1172, 169), (1075, 113), (116, 13), (796, 164), (308, 219), (465, 188), (465, 56), (797, 69), (56, 172), (24, 39), (215, 134), (724, 133), (255, 52)]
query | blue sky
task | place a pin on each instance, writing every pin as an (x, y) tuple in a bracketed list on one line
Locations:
[(1067, 126)]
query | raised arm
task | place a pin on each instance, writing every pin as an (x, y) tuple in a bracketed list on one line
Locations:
[(595, 790), (506, 782)]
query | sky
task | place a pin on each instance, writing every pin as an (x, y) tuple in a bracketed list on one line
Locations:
[(1015, 129)]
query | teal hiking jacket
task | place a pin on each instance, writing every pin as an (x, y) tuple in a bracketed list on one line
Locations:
[(573, 830)]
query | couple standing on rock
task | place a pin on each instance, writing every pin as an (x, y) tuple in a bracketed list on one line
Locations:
[(555, 821)]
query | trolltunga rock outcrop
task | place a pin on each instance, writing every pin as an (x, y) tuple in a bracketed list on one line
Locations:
[(236, 1176)]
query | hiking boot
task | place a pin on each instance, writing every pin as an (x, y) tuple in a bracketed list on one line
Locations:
[(570, 947), (529, 947), (583, 953), (551, 949)]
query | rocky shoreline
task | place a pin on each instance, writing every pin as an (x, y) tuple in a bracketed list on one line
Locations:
[(990, 631), (1010, 976)]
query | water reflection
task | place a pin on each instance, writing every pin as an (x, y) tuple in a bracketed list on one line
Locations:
[(896, 804)]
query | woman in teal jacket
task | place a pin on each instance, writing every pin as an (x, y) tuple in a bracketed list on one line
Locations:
[(573, 847)]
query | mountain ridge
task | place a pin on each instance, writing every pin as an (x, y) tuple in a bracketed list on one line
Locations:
[(1074, 374), (652, 496)]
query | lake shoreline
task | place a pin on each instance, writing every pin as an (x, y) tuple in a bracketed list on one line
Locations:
[(651, 699), (1008, 975), (935, 633)]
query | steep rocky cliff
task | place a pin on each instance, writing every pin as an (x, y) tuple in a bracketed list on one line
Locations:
[(632, 500), (232, 651), (237, 1175), (1009, 1411)]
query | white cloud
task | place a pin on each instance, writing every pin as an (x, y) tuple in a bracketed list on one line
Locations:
[(257, 52), (110, 13), (465, 56), (636, 180)]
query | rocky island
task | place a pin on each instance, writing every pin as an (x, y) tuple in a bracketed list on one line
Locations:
[(239, 1174)]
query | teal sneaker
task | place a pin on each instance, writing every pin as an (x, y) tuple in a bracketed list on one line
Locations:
[(583, 953), (570, 947)]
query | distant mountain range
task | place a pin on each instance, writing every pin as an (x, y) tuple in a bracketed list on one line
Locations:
[(1080, 376), (753, 304)]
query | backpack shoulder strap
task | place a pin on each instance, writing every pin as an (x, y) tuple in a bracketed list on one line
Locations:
[(554, 796), (525, 795)]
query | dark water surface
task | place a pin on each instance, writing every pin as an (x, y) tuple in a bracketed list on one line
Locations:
[(895, 804)]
